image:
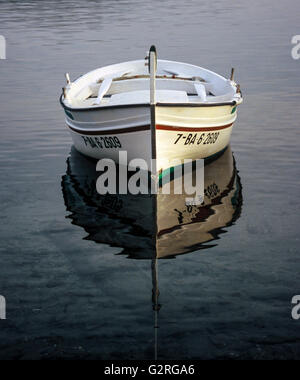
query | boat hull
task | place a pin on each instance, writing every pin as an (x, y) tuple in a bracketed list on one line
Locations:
[(181, 132)]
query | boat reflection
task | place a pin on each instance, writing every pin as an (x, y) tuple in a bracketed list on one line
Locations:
[(145, 231), (153, 227)]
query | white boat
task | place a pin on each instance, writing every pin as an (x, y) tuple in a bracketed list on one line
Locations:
[(151, 109)]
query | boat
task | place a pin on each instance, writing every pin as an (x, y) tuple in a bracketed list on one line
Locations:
[(152, 109), (142, 231)]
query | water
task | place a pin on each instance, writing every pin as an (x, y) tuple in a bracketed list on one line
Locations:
[(70, 297)]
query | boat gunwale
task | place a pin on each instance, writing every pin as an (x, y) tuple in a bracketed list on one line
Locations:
[(116, 106)]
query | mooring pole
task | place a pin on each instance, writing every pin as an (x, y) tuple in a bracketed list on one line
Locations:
[(153, 71), (155, 292)]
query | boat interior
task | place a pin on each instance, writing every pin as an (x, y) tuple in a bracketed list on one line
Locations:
[(129, 83)]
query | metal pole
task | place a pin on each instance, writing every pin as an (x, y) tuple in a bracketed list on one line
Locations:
[(153, 71)]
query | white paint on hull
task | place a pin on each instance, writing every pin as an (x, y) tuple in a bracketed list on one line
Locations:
[(182, 132), (97, 146), (171, 144)]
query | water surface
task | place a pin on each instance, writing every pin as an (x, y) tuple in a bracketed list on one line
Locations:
[(79, 284)]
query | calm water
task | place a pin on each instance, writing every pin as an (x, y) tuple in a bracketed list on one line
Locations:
[(75, 268)]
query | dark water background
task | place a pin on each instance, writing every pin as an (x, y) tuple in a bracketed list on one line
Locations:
[(72, 298)]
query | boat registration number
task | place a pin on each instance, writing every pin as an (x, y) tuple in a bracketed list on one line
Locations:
[(111, 142), (197, 138)]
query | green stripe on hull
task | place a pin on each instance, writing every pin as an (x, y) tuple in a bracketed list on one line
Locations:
[(170, 171)]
